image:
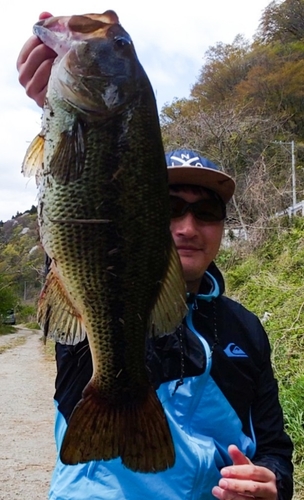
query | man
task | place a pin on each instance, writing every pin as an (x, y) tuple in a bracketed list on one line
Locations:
[(213, 375)]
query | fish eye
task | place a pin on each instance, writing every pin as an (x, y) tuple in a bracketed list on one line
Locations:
[(122, 41)]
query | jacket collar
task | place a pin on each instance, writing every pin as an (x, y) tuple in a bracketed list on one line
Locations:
[(217, 275)]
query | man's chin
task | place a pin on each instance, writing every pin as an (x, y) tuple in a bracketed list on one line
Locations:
[(193, 269), (193, 279)]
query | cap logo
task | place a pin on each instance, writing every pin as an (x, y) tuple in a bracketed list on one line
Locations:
[(185, 160)]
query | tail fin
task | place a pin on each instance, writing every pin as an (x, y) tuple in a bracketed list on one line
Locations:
[(137, 431)]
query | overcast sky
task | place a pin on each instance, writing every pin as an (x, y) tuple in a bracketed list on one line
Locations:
[(170, 38)]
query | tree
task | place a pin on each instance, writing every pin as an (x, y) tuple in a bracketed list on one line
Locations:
[(8, 299), (226, 65), (17, 215), (274, 84), (33, 210), (282, 22), (21, 256), (238, 141)]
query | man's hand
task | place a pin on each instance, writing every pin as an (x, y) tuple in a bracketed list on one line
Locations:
[(244, 480), (34, 65)]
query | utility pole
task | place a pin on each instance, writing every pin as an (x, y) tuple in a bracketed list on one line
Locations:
[(293, 169)]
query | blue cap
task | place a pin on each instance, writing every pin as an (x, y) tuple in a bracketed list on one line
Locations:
[(188, 167)]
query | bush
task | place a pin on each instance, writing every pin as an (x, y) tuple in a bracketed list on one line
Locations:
[(27, 314)]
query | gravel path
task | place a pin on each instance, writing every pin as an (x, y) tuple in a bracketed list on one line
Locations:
[(27, 450)]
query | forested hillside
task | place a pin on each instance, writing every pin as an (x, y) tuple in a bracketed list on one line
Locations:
[(245, 110), (21, 264)]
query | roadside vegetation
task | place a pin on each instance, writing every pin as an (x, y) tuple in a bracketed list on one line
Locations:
[(269, 281), (6, 329), (21, 268), (14, 342)]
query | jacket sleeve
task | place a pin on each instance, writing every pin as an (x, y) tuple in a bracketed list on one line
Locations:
[(274, 447)]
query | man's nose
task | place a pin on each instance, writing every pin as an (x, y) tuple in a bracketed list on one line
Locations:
[(187, 225)]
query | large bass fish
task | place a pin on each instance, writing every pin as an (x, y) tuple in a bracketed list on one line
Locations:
[(103, 214)]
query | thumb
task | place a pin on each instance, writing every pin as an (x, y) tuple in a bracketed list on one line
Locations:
[(237, 457)]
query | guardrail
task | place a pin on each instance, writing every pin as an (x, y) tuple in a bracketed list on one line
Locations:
[(239, 233), (298, 207)]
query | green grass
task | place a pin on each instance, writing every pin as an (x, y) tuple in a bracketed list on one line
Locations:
[(11, 345), (6, 329), (32, 325), (271, 279)]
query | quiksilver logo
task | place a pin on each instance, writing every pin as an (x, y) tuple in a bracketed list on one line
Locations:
[(233, 351)]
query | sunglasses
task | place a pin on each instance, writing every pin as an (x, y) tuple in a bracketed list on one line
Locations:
[(207, 210)]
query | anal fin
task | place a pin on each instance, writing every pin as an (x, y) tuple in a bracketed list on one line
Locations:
[(57, 315)]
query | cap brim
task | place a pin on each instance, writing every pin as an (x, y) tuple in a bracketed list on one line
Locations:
[(217, 181)]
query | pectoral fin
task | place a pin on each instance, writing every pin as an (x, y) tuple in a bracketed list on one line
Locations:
[(170, 307), (68, 160), (33, 160)]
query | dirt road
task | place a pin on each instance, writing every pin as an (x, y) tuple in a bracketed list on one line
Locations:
[(27, 450)]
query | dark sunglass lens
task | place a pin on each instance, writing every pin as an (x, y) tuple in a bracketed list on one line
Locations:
[(177, 206), (209, 210)]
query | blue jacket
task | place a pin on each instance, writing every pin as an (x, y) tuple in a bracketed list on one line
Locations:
[(223, 393)]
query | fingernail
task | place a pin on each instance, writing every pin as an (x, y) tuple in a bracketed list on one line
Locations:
[(223, 484), (216, 492)]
